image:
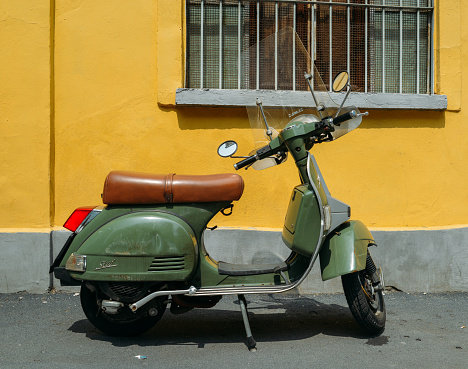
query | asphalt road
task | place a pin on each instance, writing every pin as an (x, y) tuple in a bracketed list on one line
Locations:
[(430, 331)]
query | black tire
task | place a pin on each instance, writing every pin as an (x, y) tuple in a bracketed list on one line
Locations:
[(366, 305), (124, 323)]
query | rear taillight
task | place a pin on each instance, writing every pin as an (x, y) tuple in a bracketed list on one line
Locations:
[(77, 217)]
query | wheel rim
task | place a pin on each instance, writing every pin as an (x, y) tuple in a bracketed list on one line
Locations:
[(372, 296)]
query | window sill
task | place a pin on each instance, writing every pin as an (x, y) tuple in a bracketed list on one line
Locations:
[(239, 98)]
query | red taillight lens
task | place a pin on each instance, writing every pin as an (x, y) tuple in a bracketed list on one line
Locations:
[(77, 217)]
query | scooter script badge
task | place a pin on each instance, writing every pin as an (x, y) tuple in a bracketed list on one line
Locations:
[(106, 264)]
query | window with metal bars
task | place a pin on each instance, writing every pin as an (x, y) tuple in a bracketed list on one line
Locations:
[(385, 45)]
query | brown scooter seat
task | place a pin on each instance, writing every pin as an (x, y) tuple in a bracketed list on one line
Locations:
[(123, 187)]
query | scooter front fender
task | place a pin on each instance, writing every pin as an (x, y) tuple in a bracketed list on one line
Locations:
[(345, 249)]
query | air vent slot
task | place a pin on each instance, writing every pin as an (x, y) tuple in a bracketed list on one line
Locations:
[(167, 263), (126, 289)]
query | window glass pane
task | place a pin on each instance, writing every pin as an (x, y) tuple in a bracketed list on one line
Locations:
[(211, 46), (193, 45), (230, 45), (392, 51), (410, 53), (425, 54)]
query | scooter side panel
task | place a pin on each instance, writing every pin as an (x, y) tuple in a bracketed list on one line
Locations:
[(197, 215), (141, 246), (344, 250), (302, 223)]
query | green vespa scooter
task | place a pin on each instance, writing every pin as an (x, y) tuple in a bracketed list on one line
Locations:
[(144, 249)]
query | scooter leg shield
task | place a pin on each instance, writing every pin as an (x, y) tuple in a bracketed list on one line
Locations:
[(345, 249)]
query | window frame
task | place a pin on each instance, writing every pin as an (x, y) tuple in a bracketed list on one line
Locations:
[(236, 97)]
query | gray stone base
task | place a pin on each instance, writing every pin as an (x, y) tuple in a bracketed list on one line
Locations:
[(25, 259), (412, 261), (24, 262)]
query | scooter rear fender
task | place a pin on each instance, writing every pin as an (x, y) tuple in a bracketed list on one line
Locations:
[(345, 249)]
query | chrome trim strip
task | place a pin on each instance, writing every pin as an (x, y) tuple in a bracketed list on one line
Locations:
[(92, 214), (212, 291), (282, 288), (317, 194)]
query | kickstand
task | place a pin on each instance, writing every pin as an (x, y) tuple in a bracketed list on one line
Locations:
[(251, 344)]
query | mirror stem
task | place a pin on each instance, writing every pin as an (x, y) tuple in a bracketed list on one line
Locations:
[(347, 94), (308, 77), (268, 132)]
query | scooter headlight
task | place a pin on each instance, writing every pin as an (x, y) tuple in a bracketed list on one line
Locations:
[(76, 263)]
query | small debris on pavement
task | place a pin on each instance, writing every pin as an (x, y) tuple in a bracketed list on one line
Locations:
[(141, 357)]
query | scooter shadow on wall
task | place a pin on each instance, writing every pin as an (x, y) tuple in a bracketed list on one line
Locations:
[(194, 118), (272, 319), (403, 119)]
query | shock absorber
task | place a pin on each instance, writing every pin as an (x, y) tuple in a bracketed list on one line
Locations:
[(372, 270)]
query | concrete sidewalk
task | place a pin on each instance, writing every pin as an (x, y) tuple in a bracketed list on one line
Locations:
[(313, 331)]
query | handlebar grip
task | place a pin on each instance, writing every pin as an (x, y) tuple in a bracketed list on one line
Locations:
[(344, 117), (245, 162)]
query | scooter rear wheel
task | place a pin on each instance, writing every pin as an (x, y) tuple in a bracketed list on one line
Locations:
[(366, 304), (125, 322)]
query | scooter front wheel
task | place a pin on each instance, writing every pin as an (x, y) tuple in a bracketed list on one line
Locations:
[(366, 304), (122, 323)]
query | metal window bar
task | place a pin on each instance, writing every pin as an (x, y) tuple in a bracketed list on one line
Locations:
[(366, 47), (348, 40), (276, 45), (239, 51), (312, 32), (418, 35), (257, 69), (401, 50), (294, 49), (383, 47), (202, 10), (330, 38), (431, 62), (220, 44), (424, 43)]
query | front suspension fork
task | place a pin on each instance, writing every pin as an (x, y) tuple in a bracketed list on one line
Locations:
[(375, 275)]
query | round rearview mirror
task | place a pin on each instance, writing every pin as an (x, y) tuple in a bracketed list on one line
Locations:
[(340, 81), (227, 149)]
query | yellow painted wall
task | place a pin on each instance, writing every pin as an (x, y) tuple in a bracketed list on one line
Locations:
[(117, 65), (24, 113)]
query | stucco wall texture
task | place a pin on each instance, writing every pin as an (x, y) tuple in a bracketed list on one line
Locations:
[(25, 114), (88, 86)]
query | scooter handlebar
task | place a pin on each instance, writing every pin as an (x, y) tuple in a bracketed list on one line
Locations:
[(243, 163), (344, 117)]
